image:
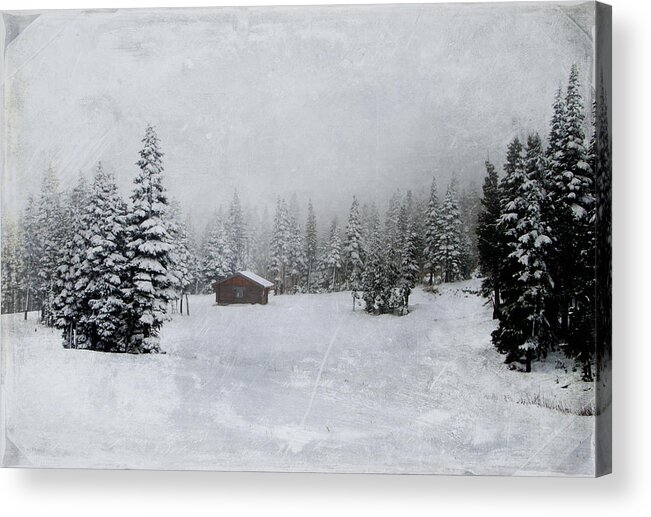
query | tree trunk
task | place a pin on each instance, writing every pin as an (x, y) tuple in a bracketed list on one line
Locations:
[(187, 304), (181, 304), (527, 357)]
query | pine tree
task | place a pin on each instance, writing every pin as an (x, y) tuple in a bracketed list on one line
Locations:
[(311, 245), (68, 304), (183, 259), (531, 252), (354, 248), (13, 267), (98, 311), (236, 234), (509, 335), (333, 255), (32, 253), (280, 240), (49, 238), (408, 268), (218, 257), (150, 250), (489, 239), (571, 208), (432, 234), (450, 252), (296, 258)]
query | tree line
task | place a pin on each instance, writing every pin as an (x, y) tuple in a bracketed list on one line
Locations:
[(101, 269), (536, 236)]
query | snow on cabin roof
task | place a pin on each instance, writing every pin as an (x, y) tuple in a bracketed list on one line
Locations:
[(255, 278), (247, 274)]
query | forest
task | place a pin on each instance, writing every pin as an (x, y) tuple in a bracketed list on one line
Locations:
[(109, 271)]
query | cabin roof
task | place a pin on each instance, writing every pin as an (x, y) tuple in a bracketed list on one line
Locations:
[(257, 279)]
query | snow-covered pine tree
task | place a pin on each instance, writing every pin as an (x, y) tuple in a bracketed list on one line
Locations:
[(510, 333), (354, 252), (432, 234), (280, 238), (469, 206), (450, 252), (296, 258), (391, 230), (532, 248), (150, 267), (311, 245), (68, 304), (50, 236), (490, 243), (13, 267), (572, 199), (99, 311), (408, 273), (183, 259), (237, 234), (32, 256), (218, 256), (333, 255)]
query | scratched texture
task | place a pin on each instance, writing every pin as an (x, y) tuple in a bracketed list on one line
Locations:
[(274, 102)]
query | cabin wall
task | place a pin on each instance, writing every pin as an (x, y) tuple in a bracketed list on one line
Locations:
[(225, 293)]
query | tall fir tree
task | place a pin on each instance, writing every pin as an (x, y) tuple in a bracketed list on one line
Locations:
[(101, 312), (150, 250), (333, 255), (354, 252), (490, 243), (311, 245), (280, 242), (49, 237), (237, 234), (571, 201), (218, 259), (13, 267), (450, 253), (432, 234), (68, 304)]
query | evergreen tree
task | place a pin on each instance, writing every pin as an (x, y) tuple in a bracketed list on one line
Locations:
[(509, 335), (296, 258), (432, 234), (570, 213), (49, 239), (98, 311), (489, 239), (531, 251), (450, 252), (280, 240), (236, 234), (311, 243), (333, 255), (32, 253), (218, 256), (68, 305), (408, 268), (354, 248), (150, 250), (13, 267)]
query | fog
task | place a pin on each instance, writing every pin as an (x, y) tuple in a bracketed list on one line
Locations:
[(321, 102)]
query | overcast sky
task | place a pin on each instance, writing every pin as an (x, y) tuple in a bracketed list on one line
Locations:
[(321, 101)]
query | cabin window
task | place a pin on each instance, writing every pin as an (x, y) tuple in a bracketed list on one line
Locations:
[(239, 292)]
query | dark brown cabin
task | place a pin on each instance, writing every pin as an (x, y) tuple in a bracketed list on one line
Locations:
[(242, 287)]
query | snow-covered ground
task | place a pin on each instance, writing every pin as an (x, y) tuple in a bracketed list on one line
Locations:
[(301, 384)]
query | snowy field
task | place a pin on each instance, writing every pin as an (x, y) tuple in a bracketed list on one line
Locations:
[(302, 384)]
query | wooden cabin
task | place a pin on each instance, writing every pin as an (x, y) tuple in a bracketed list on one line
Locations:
[(242, 287)]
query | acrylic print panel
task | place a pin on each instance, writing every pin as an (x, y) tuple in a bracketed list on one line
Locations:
[(332, 239)]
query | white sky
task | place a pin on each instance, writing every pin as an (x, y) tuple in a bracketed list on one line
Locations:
[(321, 101)]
